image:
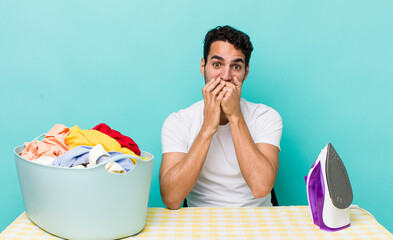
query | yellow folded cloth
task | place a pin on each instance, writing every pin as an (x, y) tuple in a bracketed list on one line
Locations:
[(78, 137)]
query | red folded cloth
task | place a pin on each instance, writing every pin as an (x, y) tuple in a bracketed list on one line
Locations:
[(124, 141)]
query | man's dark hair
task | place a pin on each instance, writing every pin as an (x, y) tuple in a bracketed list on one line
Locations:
[(228, 34)]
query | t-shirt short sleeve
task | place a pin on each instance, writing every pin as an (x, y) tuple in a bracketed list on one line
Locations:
[(173, 135), (268, 127)]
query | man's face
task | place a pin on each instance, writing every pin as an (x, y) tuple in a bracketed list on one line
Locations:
[(224, 61)]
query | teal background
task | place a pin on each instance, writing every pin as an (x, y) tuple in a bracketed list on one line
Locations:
[(325, 66)]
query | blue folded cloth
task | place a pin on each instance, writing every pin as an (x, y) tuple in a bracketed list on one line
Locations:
[(80, 155)]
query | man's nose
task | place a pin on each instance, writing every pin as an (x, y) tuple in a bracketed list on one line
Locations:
[(226, 75)]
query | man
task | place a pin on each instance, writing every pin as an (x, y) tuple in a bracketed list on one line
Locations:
[(222, 151)]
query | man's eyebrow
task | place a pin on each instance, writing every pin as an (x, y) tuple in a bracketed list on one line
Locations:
[(217, 57), (238, 60)]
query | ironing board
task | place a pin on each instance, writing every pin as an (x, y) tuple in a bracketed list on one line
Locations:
[(289, 222)]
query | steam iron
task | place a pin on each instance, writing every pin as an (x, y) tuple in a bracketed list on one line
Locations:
[(329, 191)]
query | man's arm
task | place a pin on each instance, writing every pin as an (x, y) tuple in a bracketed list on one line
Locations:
[(180, 171), (258, 162)]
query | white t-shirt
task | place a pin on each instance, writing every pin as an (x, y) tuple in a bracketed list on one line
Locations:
[(220, 182)]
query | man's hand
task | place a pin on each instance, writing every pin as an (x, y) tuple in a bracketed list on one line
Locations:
[(212, 96), (231, 102)]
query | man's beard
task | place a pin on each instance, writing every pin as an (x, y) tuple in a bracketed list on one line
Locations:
[(210, 80)]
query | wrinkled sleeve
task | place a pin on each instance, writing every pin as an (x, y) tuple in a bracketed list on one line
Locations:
[(173, 135), (269, 128)]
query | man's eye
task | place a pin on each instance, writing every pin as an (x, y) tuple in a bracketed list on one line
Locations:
[(216, 64), (237, 67)]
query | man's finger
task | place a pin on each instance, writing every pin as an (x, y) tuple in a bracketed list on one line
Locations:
[(238, 85), (207, 84), (212, 85), (228, 92), (218, 88), (220, 96), (205, 88), (237, 81), (230, 85)]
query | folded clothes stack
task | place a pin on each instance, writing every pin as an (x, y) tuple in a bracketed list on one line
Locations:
[(77, 148)]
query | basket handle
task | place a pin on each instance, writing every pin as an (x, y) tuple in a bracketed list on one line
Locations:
[(118, 157)]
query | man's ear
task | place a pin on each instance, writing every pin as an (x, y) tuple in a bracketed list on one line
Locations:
[(203, 66), (245, 76)]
